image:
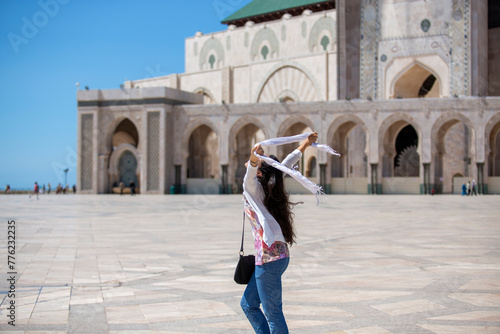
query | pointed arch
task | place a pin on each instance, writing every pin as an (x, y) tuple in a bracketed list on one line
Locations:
[(114, 165), (114, 125), (453, 149), (191, 127), (430, 64), (288, 122), (348, 135), (389, 153), (244, 129)]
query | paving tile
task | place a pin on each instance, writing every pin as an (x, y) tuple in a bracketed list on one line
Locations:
[(478, 299), (164, 264), (182, 310), (409, 306), (472, 316), (447, 329)]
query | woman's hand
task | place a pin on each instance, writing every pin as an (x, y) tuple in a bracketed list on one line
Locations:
[(313, 137), (253, 158)]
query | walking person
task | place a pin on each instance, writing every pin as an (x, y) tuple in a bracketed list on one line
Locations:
[(268, 207), (132, 187), (473, 188), (36, 190)]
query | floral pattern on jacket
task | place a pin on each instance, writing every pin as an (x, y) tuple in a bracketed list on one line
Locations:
[(278, 250)]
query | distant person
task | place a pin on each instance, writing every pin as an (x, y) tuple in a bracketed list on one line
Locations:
[(48, 189), (7, 189), (464, 189), (132, 187), (122, 186), (43, 189), (36, 190), (58, 189), (74, 189), (473, 188), (66, 189), (468, 188)]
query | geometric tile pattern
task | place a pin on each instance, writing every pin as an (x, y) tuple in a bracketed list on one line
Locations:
[(87, 149), (164, 264), (153, 150)]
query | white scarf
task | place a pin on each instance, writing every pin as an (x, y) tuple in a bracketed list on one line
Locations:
[(304, 181)]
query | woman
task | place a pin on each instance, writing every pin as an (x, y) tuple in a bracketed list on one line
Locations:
[(268, 207)]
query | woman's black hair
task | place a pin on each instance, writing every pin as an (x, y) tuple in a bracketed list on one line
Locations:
[(276, 199)]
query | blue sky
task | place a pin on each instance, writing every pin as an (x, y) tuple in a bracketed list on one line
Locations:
[(47, 46)]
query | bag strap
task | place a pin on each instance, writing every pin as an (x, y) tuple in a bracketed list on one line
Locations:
[(243, 234)]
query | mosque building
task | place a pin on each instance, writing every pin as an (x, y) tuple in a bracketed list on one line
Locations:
[(406, 90)]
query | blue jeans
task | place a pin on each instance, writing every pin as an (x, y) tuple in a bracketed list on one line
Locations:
[(265, 288)]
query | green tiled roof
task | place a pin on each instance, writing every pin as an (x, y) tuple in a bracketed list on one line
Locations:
[(261, 7)]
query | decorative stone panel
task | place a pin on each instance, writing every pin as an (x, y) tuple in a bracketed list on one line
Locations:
[(87, 151), (213, 47), (369, 48), (153, 152), (325, 26), (460, 35), (263, 36)]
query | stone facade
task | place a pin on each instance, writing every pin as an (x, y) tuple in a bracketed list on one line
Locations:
[(395, 86)]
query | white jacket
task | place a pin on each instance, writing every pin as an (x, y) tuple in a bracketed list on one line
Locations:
[(254, 195)]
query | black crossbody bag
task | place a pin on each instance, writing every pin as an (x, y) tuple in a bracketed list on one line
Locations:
[(246, 264)]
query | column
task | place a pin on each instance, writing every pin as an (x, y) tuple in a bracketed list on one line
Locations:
[(480, 178), (224, 186), (322, 178), (427, 178), (178, 180), (373, 186)]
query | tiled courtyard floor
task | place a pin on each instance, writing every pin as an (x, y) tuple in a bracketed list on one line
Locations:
[(164, 264)]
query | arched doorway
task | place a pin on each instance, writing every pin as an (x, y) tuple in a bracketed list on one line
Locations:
[(400, 159), (349, 171), (245, 139), (494, 155), (203, 175), (124, 158), (451, 153), (494, 160), (127, 167), (406, 160), (415, 82), (203, 159), (125, 133)]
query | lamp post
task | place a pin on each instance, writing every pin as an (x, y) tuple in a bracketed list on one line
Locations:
[(66, 177)]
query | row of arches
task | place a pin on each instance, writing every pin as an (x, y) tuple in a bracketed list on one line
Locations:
[(400, 149), (290, 81), (265, 43)]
